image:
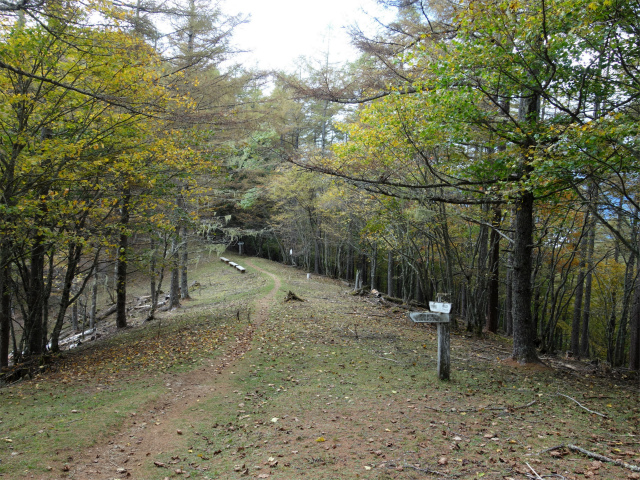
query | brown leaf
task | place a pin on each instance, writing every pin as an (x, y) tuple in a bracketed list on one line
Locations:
[(159, 464), (443, 461)]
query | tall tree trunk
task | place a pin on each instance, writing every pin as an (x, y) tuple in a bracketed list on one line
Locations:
[(577, 301), (316, 256), (184, 262), (35, 298), (493, 313), (448, 254), (5, 304), (479, 297), (183, 246), (174, 289), (419, 294), (634, 328), (374, 265), (524, 350), (152, 276), (121, 261), (586, 308), (508, 310), (611, 330), (390, 289), (621, 336), (363, 269), (94, 300)]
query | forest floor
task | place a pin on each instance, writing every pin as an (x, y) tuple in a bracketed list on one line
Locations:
[(240, 384)]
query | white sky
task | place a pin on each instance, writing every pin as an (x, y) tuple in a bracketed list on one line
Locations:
[(280, 31)]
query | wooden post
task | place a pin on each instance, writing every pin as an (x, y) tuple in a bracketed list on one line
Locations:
[(444, 338), (444, 348)]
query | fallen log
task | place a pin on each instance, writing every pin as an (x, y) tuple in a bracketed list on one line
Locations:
[(399, 301), (109, 311)]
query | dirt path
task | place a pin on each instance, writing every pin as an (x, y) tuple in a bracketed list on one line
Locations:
[(152, 431)]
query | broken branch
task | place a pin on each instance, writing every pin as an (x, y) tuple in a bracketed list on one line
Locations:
[(582, 406), (595, 456)]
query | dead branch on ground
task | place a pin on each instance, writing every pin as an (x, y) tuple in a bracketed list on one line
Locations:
[(582, 406), (594, 455)]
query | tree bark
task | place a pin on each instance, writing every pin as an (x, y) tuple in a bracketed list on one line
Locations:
[(184, 261), (634, 329), (508, 304), (524, 350), (586, 308), (390, 289), (94, 300), (121, 262), (493, 313), (479, 298), (621, 336), (5, 306), (374, 265), (35, 298), (316, 256), (611, 330), (577, 301), (174, 292)]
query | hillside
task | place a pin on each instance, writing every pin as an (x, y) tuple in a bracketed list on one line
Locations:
[(239, 383)]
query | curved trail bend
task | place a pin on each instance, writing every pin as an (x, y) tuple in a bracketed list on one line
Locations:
[(150, 432)]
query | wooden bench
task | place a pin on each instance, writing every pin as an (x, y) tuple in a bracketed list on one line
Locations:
[(233, 264)]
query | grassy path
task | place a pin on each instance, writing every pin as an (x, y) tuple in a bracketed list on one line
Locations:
[(154, 431)]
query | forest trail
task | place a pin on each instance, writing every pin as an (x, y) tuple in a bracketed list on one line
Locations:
[(156, 429)]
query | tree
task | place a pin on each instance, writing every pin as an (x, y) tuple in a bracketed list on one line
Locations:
[(65, 154), (481, 114)]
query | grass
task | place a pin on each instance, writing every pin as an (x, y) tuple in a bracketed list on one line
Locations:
[(333, 387), (44, 424)]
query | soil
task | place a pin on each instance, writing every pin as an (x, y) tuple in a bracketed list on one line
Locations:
[(152, 430)]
